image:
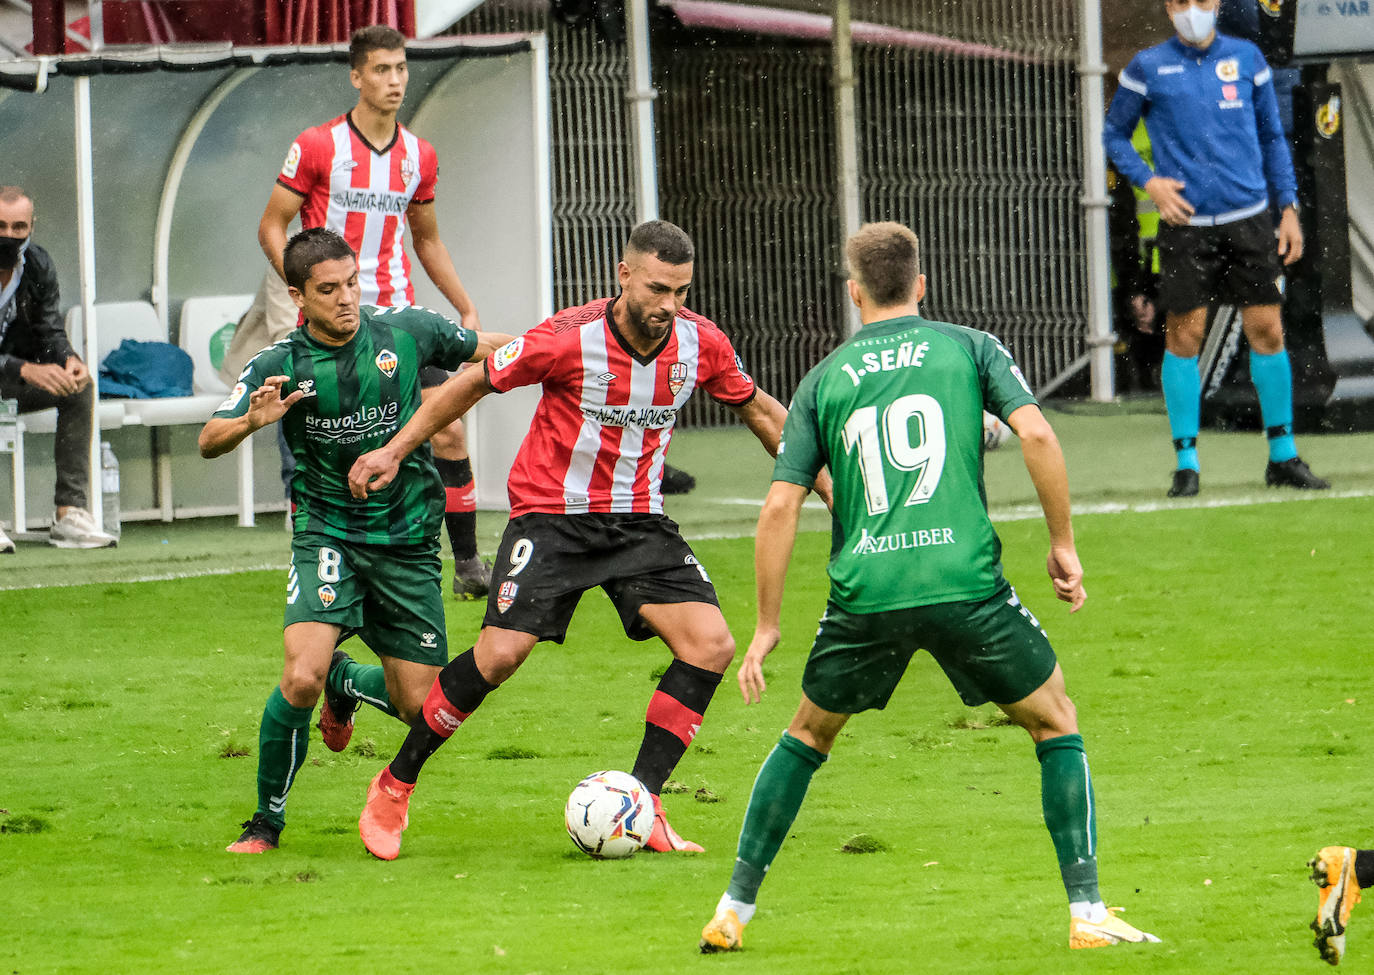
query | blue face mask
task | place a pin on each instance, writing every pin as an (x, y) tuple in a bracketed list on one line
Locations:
[(1195, 25)]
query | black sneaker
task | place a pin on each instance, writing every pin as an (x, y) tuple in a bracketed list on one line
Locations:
[(258, 836), (471, 578), (1185, 483), (336, 714), (676, 481), (1293, 473)]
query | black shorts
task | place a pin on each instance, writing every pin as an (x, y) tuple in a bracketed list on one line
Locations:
[(431, 376), (546, 562), (1234, 263)]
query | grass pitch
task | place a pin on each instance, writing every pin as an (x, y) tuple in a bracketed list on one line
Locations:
[(1217, 667), (1219, 670)]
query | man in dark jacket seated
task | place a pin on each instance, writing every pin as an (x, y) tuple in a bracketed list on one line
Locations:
[(40, 369)]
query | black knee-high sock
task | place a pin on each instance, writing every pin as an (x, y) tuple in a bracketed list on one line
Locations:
[(460, 506), (456, 693), (674, 716)]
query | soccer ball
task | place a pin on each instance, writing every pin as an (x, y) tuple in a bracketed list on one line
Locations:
[(609, 815), (995, 432)]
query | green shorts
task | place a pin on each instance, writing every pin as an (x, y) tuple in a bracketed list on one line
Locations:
[(391, 596), (991, 649)]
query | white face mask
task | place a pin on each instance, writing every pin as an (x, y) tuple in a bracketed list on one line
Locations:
[(1195, 25)]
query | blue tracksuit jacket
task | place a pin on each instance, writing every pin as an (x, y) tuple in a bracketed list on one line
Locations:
[(1213, 121)]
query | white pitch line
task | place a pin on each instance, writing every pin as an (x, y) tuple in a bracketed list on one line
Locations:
[(157, 577), (1010, 513)]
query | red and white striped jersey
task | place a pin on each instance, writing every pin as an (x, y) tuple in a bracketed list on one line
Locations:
[(602, 426), (363, 194)]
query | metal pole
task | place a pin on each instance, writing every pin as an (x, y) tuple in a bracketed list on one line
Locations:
[(641, 98), (85, 235), (1091, 70), (846, 140)]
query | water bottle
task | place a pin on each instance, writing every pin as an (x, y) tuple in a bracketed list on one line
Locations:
[(109, 488)]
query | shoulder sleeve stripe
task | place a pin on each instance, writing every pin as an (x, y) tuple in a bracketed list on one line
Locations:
[(1133, 84), (1263, 77)]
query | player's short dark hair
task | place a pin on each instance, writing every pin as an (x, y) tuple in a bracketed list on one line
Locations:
[(666, 241), (885, 258), (376, 37), (308, 248)]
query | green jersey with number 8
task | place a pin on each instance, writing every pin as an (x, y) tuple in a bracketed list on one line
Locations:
[(896, 413)]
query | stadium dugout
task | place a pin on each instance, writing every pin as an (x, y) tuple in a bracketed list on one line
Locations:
[(149, 167)]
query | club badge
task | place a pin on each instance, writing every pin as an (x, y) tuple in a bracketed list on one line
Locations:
[(1329, 117), (505, 596), (386, 361), (677, 375), (1228, 70), (327, 595)]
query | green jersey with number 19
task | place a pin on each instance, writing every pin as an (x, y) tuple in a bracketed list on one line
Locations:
[(896, 413), (357, 395)]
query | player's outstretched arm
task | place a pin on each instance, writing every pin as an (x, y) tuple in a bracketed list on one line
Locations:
[(489, 342), (434, 257), (265, 405), (282, 207), (773, 541), (1045, 462), (376, 469), (765, 416)]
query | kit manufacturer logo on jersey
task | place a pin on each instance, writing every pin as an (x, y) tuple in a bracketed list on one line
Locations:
[(508, 353), (1329, 117), (505, 596), (427, 641), (1228, 69), (327, 596), (609, 377), (293, 161), (307, 388), (677, 375), (386, 361)]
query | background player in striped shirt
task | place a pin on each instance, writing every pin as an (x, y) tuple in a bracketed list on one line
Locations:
[(340, 385), (587, 510), (896, 413), (367, 177)]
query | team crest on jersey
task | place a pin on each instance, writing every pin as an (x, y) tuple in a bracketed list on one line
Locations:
[(293, 161), (1228, 69), (677, 375), (508, 353), (386, 361), (408, 170), (1329, 117), (505, 596), (1273, 8), (327, 595)]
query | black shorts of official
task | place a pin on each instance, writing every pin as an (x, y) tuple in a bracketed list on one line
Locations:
[(546, 562), (1233, 263), (431, 376)]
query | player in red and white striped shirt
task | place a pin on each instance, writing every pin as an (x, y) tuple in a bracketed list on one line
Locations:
[(366, 176), (587, 510)]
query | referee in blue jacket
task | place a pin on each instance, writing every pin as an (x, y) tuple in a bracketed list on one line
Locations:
[(1220, 159)]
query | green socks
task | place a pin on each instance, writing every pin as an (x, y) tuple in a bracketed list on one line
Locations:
[(362, 682), (773, 805), (1066, 795), (282, 740)]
